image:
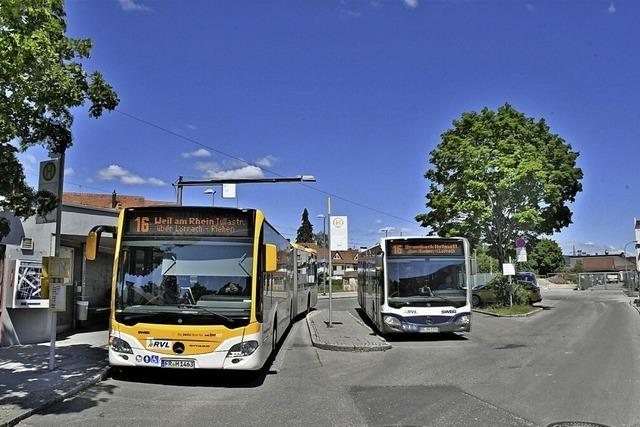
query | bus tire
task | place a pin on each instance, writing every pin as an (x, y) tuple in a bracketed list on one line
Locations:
[(475, 301)]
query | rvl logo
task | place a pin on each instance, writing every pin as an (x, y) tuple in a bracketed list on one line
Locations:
[(161, 344)]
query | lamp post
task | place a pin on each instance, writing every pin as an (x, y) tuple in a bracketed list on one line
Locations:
[(386, 230), (324, 244), (626, 264), (213, 195)]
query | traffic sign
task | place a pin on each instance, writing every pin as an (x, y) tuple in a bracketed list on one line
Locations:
[(48, 181), (521, 243)]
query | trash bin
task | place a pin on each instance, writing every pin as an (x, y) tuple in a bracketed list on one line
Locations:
[(83, 309)]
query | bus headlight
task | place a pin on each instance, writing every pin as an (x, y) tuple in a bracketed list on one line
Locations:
[(463, 320), (393, 322), (119, 345), (242, 349)]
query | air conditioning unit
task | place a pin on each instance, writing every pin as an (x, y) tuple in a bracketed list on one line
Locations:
[(26, 244)]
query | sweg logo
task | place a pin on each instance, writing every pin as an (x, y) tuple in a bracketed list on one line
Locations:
[(160, 344)]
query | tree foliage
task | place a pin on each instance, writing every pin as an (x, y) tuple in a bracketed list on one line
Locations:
[(40, 81), (544, 257), (508, 291), (305, 231), (499, 175), (321, 239), (486, 263)]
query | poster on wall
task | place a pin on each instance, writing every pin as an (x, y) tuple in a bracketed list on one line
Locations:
[(27, 285)]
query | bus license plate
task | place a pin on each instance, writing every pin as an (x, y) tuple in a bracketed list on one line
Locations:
[(429, 329), (178, 363)]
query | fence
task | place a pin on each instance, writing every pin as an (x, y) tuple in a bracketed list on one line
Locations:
[(608, 280)]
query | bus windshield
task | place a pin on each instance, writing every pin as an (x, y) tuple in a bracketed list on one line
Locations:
[(204, 278), (426, 281)]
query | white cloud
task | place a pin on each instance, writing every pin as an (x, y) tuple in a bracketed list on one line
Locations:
[(156, 181), (191, 126), (612, 8), (235, 169), (267, 161), (412, 4), (132, 6), (29, 162), (69, 172), (377, 221), (198, 153), (248, 171), (116, 172)]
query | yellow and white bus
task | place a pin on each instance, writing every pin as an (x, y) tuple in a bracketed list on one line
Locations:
[(202, 287), (416, 285)]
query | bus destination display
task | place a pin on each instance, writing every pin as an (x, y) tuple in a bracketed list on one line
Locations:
[(425, 248), (187, 223)]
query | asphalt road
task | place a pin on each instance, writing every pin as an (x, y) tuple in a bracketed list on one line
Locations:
[(577, 360)]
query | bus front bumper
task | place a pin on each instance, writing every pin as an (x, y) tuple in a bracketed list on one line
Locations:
[(219, 359), (393, 324)]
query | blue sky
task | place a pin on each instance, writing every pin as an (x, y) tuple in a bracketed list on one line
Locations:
[(357, 94)]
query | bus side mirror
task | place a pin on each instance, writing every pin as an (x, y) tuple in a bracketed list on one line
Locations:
[(93, 239), (270, 258)]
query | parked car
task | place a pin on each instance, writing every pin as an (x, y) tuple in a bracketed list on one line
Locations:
[(485, 294), (527, 276)]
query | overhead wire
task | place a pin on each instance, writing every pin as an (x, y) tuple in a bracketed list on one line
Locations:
[(231, 156)]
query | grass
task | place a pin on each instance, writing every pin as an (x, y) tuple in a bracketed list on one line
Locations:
[(516, 309), (336, 286)]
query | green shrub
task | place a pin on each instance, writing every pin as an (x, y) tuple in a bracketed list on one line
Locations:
[(503, 289)]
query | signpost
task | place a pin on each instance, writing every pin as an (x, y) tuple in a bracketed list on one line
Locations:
[(330, 325), (509, 270), (521, 250), (49, 180)]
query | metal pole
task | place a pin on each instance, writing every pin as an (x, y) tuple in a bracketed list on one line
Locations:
[(324, 238), (179, 187), (626, 268), (52, 314), (330, 325)]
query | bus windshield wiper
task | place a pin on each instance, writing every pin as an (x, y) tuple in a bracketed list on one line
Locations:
[(210, 312)]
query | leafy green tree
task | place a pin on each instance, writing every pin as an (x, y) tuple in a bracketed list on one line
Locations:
[(499, 175), (320, 239), (545, 257), (305, 231), (40, 81), (486, 263)]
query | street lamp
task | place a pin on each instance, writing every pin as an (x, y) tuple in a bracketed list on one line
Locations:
[(626, 264), (386, 230), (213, 194), (324, 244)]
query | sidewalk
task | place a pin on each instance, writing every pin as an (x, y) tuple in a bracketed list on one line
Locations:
[(347, 334), (27, 385)]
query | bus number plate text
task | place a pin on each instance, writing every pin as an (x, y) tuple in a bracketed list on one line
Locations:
[(178, 363), (429, 329)]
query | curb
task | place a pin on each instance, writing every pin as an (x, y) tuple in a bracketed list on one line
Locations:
[(91, 381), (531, 313), (315, 341), (335, 295)]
